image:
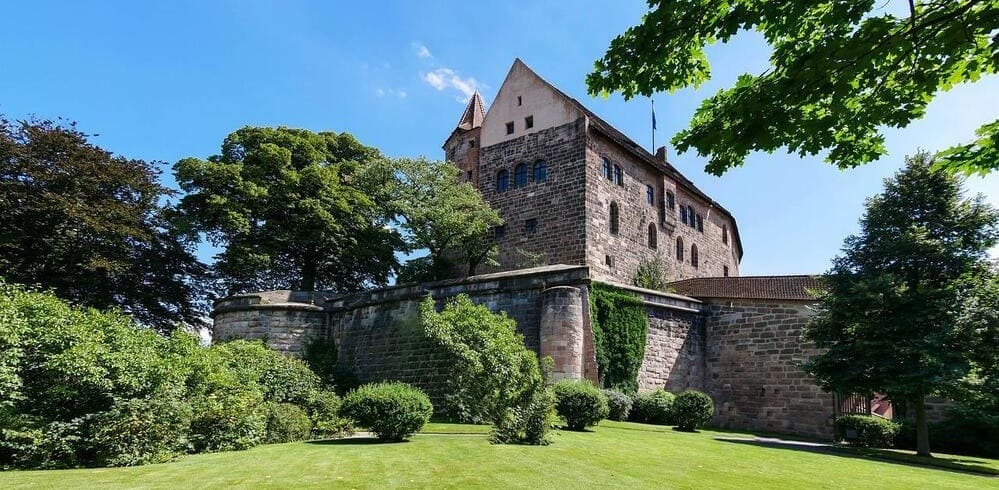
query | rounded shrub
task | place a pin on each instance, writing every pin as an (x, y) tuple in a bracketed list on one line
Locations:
[(866, 430), (692, 409), (286, 423), (392, 411), (653, 407), (580, 403), (618, 405)]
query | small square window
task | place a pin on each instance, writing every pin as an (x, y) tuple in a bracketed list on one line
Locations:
[(499, 231), (471, 143), (725, 270), (609, 260), (528, 122), (531, 226), (519, 100), (509, 127), (468, 175)]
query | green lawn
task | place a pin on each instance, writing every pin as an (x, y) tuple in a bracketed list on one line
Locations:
[(623, 455)]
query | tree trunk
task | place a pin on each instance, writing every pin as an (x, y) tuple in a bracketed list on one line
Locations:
[(922, 428), (309, 269)]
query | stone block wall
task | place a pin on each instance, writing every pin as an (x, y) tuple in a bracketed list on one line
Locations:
[(674, 351), (283, 319), (753, 357)]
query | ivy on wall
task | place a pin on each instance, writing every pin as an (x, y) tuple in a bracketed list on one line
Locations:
[(619, 324)]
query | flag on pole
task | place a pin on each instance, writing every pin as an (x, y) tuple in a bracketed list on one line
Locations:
[(653, 114)]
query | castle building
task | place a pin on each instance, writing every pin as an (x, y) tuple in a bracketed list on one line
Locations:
[(574, 190)]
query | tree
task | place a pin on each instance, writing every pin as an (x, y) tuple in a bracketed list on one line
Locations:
[(438, 213), (89, 225), (895, 317), (292, 209), (840, 72)]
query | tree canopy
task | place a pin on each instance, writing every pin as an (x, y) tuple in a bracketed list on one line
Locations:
[(291, 209), (92, 226), (907, 299), (839, 73), (438, 213)]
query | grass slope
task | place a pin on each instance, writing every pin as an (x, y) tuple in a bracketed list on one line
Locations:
[(622, 455)]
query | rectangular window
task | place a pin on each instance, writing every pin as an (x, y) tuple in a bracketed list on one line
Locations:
[(531, 226), (700, 224), (609, 260), (618, 175), (725, 270), (528, 122), (509, 127), (650, 195), (670, 200), (499, 231), (683, 214), (519, 100), (471, 143)]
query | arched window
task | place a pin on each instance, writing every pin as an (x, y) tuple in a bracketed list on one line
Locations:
[(693, 255), (653, 236), (690, 216), (614, 223), (679, 249), (683, 214), (605, 170), (725, 234), (670, 201), (520, 175), (650, 195), (502, 180), (540, 171), (618, 175)]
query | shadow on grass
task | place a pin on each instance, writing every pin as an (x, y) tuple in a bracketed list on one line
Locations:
[(944, 463), (354, 441)]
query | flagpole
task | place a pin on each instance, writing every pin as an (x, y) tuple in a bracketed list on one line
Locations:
[(653, 125)]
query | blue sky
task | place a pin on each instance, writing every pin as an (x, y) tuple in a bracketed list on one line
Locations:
[(166, 80)]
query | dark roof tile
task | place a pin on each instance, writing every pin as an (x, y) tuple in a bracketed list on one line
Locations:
[(794, 288)]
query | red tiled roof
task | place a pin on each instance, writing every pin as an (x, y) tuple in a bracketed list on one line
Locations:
[(750, 287)]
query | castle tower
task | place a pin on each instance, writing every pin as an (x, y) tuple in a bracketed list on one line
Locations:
[(462, 147)]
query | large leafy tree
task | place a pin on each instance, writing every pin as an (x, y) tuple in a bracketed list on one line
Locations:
[(290, 208), (437, 213), (839, 73), (904, 306), (91, 226)]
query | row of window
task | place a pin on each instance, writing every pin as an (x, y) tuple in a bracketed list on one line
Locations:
[(694, 261), (539, 173), (528, 124)]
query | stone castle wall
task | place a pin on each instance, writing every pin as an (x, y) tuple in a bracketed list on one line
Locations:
[(745, 354), (753, 357), (555, 205)]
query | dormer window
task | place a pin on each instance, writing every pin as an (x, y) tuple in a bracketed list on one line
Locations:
[(528, 122), (509, 127)]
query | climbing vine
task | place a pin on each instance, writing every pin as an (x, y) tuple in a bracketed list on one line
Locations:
[(619, 324)]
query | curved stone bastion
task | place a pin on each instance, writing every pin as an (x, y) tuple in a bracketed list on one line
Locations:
[(745, 354)]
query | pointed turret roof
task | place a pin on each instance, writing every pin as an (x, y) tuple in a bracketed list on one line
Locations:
[(474, 113)]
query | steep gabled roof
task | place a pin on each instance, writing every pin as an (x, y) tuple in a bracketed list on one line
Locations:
[(786, 288), (641, 153), (474, 113)]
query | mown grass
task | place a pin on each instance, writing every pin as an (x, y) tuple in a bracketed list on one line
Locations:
[(613, 455)]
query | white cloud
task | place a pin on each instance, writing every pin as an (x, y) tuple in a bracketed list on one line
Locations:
[(448, 79), (391, 92), (422, 51)]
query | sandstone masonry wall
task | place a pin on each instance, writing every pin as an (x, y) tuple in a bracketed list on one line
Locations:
[(754, 351), (282, 319)]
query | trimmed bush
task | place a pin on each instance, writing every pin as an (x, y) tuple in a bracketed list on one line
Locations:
[(392, 411), (580, 403), (653, 407), (286, 423), (692, 409), (866, 430), (618, 405), (529, 422)]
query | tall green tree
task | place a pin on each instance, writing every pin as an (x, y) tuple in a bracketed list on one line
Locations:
[(439, 214), (903, 299), (290, 208), (840, 72), (91, 226)]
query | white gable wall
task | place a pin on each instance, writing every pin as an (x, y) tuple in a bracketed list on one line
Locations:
[(549, 108)]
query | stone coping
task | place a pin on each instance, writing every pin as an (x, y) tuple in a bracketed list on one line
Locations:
[(226, 308)]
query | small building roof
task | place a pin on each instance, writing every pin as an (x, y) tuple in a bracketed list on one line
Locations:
[(786, 288)]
